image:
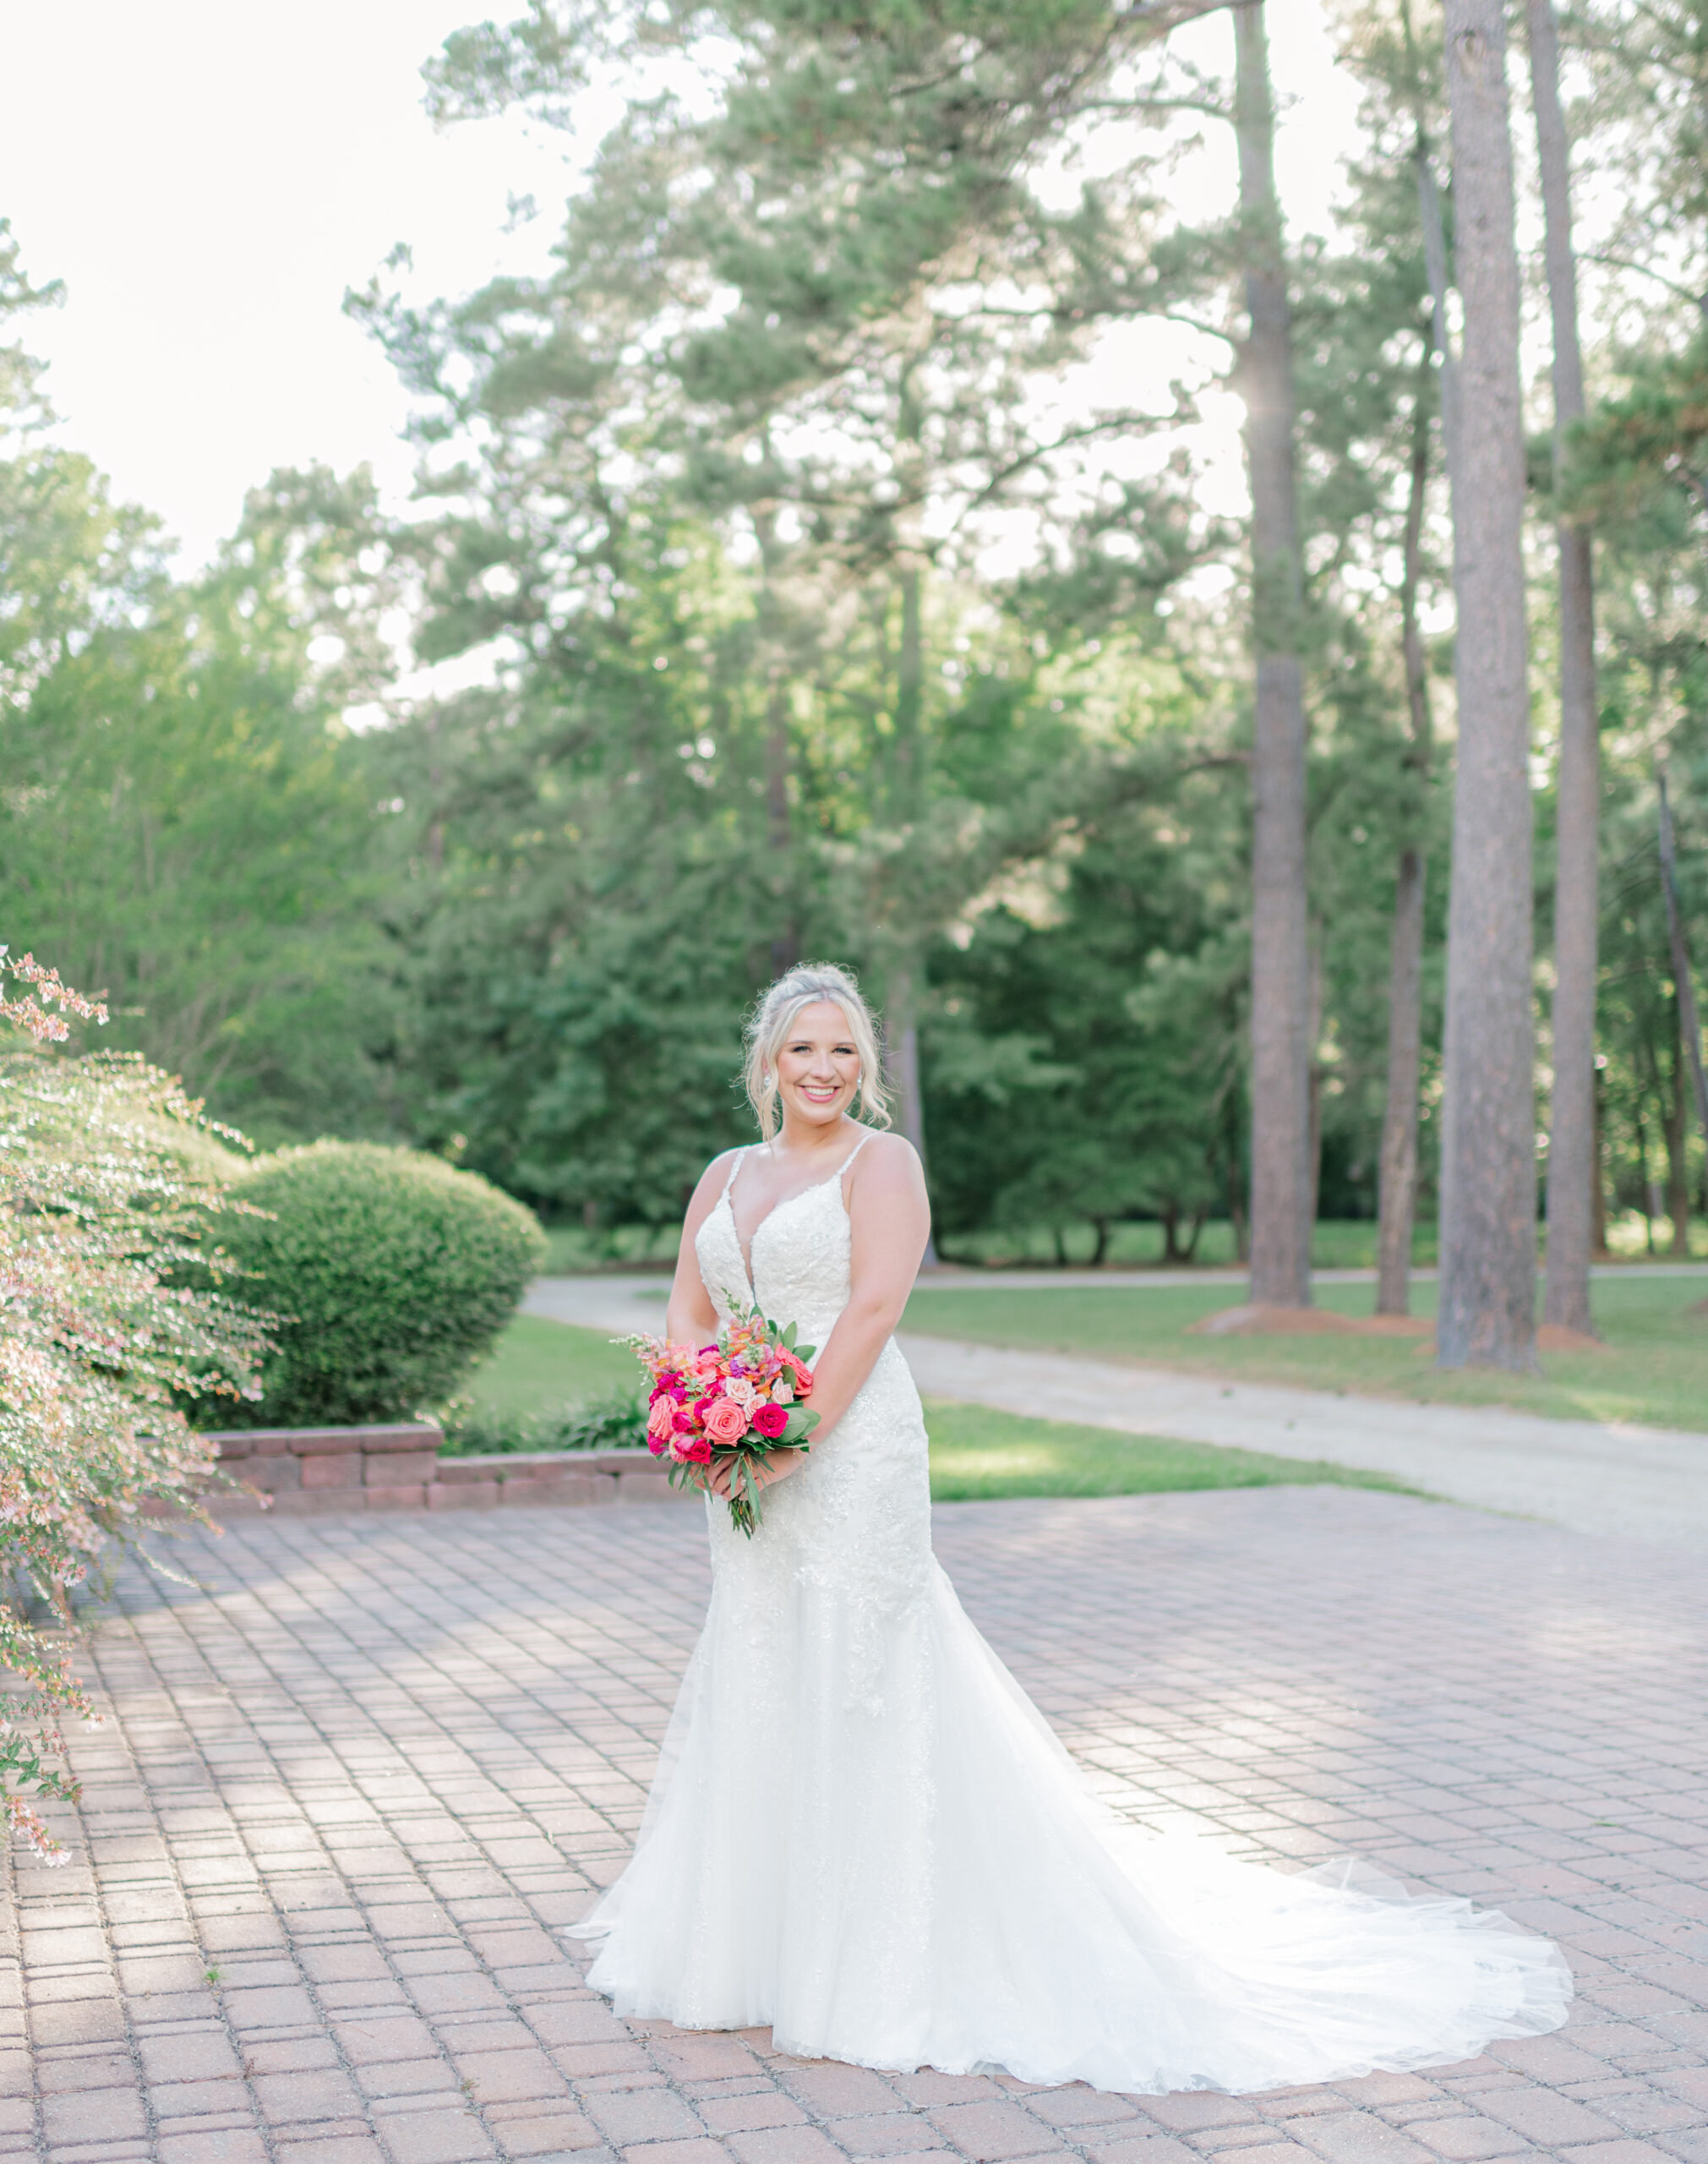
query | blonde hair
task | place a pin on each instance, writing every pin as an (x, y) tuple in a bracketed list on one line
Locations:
[(776, 1014)]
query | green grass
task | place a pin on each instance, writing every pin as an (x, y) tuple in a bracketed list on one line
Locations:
[(572, 1251), (539, 1362), (1655, 1368), (1336, 1244), (978, 1455)]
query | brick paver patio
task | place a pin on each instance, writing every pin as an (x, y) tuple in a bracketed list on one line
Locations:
[(353, 1785)]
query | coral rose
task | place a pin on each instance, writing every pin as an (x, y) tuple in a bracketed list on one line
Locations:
[(724, 1421), (661, 1423), (771, 1420)]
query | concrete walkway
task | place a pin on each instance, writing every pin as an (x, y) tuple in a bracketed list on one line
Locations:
[(1648, 1483), (356, 1777)]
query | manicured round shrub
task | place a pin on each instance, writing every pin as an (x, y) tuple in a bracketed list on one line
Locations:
[(396, 1271)]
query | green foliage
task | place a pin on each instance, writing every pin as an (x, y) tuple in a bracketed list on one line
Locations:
[(185, 821), (473, 1429), (393, 1272), (705, 514), (103, 1344)]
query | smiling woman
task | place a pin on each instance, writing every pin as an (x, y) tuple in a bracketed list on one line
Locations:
[(936, 1886)]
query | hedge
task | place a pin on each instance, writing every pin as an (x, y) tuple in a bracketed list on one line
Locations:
[(393, 1274)]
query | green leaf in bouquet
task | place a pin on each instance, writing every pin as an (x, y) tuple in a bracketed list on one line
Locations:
[(801, 1424)]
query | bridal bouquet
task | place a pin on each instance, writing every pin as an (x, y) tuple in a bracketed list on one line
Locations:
[(727, 1403)]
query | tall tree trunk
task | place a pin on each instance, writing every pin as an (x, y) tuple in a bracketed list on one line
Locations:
[(902, 1055), (1651, 1192), (1398, 1207), (901, 1005), (1281, 1237), (1598, 1190), (1572, 1170), (1488, 1155), (1316, 1076), (1678, 1132), (910, 694), (1684, 987), (785, 940)]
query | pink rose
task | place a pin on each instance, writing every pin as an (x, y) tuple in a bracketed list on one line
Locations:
[(661, 1422), (724, 1420), (771, 1420), (692, 1449)]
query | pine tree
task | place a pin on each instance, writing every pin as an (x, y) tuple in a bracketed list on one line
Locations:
[(1487, 1307)]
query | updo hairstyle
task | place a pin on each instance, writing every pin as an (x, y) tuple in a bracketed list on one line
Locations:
[(775, 1015)]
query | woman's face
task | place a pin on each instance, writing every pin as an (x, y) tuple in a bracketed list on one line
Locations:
[(818, 1067)]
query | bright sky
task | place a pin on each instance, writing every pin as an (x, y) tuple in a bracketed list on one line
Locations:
[(208, 176)]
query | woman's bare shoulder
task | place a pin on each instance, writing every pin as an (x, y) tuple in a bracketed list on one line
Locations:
[(889, 1162)]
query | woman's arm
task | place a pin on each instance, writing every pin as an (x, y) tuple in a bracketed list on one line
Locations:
[(890, 1218), (691, 1318)]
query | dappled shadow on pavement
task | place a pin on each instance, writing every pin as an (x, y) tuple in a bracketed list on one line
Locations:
[(356, 1778)]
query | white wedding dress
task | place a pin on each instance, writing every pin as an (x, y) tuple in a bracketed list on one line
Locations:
[(863, 1834)]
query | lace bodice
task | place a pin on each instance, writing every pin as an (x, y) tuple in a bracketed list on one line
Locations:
[(864, 1836), (857, 1516), (801, 1255)]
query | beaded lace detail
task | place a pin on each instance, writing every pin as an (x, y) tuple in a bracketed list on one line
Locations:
[(863, 1835), (857, 1514)]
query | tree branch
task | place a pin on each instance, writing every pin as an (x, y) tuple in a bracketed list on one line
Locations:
[(1159, 17)]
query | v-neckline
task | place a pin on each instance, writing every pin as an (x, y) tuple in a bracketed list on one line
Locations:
[(800, 1194)]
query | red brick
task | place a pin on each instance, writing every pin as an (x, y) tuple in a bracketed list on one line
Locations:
[(541, 2129), (440, 2137), (988, 2132), (507, 2077), (1470, 2138), (203, 2058), (802, 2145), (764, 2107), (830, 2090), (889, 2133), (575, 2021), (411, 1498), (296, 2099), (627, 2116), (385, 2036), (222, 2146), (328, 2148), (94, 2115), (701, 2152), (341, 1470)]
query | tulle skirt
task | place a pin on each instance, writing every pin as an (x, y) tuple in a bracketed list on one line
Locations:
[(864, 1836)]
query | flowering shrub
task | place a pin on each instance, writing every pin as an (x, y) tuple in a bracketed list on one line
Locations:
[(111, 1321)]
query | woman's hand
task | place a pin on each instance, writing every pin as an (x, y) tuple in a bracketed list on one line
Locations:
[(767, 1471)]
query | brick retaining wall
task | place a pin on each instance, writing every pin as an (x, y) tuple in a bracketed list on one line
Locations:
[(313, 1472)]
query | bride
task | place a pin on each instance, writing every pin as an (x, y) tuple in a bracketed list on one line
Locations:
[(862, 1834)]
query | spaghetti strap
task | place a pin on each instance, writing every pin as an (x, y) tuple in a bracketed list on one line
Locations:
[(737, 1160), (853, 1154)]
